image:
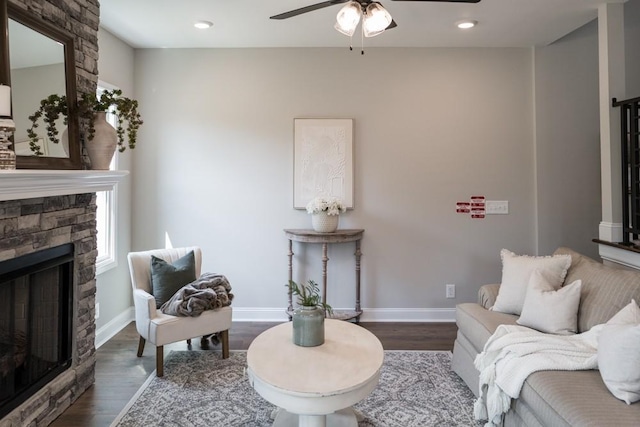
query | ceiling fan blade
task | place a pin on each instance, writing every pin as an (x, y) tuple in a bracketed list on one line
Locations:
[(446, 1), (306, 9), (392, 25)]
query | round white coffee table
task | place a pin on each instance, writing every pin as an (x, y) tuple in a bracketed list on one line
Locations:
[(311, 384)]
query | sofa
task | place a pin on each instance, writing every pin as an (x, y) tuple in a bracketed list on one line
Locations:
[(555, 398)]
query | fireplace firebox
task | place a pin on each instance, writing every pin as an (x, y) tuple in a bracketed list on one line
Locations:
[(36, 317)]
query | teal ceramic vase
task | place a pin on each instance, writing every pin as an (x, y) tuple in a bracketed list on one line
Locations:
[(308, 326)]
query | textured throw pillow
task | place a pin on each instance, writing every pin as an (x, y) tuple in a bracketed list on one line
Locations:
[(619, 354), (549, 310), (516, 272), (167, 279)]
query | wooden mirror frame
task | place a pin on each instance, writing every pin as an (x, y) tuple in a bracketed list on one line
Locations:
[(8, 10)]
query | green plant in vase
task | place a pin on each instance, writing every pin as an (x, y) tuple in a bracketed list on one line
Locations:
[(308, 295), (54, 106), (125, 110), (308, 318)]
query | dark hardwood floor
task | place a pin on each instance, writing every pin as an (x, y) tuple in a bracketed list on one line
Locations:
[(119, 373)]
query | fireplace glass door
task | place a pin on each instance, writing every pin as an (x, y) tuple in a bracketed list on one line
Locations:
[(35, 322)]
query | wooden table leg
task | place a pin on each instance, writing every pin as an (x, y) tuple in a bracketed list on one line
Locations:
[(325, 258), (290, 307), (358, 255)]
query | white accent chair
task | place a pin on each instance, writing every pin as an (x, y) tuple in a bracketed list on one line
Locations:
[(159, 328)]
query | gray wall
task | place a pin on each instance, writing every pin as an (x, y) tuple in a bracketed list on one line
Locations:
[(115, 66), (213, 166), (632, 35), (214, 162), (567, 133), (568, 142)]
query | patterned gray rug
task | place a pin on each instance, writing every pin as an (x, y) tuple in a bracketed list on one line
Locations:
[(416, 389)]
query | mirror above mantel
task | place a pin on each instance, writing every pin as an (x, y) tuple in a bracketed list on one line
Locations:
[(38, 59)]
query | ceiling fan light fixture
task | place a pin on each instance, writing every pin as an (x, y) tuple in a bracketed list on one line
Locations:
[(348, 18), (466, 24), (376, 20)]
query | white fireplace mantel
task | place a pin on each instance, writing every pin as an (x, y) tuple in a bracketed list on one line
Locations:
[(28, 184)]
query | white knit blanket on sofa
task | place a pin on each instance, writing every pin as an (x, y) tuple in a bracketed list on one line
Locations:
[(514, 352)]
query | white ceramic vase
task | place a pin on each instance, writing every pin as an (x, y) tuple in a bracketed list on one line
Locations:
[(103, 145), (323, 223)]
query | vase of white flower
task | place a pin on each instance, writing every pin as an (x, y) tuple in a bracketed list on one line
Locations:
[(325, 213), (322, 222)]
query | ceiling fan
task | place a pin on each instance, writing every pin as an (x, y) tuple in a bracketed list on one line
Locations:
[(375, 18)]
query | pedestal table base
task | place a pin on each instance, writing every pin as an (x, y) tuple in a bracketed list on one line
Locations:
[(344, 418)]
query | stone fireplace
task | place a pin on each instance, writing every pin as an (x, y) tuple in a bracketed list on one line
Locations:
[(42, 210), (28, 226)]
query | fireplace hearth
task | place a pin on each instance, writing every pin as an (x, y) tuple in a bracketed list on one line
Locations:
[(36, 293)]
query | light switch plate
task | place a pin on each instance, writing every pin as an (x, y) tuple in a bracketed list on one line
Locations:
[(497, 207)]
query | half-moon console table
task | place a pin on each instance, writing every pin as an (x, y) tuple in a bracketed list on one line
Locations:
[(338, 236)]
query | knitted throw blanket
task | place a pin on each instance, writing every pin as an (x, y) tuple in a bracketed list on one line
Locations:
[(513, 352), (208, 292)]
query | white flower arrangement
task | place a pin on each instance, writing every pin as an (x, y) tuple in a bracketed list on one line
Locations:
[(330, 205)]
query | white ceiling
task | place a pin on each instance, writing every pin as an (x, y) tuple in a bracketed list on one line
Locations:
[(246, 23)]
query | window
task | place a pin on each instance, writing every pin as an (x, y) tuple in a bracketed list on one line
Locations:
[(106, 210)]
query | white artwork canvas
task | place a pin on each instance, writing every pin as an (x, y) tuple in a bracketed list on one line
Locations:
[(323, 160)]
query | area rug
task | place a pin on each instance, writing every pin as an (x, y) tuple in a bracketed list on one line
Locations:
[(199, 388)]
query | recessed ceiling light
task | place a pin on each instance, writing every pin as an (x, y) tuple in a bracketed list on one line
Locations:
[(466, 24), (203, 25)]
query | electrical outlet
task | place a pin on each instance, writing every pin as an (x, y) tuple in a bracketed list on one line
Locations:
[(97, 310), (451, 290)]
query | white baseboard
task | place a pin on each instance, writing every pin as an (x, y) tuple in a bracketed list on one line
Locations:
[(408, 315), (255, 314), (114, 326)]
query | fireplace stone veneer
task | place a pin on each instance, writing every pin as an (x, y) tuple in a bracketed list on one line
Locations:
[(28, 226), (49, 208)]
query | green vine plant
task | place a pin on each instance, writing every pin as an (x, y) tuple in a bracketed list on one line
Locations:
[(54, 106), (50, 110), (125, 109), (308, 295)]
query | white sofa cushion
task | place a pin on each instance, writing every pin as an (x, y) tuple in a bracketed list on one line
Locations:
[(619, 354), (549, 310), (516, 272)]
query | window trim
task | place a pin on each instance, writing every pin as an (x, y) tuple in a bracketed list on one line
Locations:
[(109, 261)]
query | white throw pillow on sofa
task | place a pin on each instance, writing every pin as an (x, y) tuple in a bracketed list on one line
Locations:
[(628, 315), (516, 272), (619, 354), (549, 310)]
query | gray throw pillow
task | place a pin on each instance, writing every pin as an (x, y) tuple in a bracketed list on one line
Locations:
[(167, 279)]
